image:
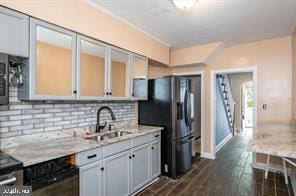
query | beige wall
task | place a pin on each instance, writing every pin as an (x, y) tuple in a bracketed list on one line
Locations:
[(273, 61), (193, 55), (92, 75), (158, 71), (53, 70), (80, 16), (119, 76)]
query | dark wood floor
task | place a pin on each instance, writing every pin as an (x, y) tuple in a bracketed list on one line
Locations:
[(229, 174)]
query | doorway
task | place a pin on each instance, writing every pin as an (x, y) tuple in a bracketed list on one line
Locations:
[(247, 106), (236, 112)]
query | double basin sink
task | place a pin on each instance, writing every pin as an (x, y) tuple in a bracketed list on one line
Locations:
[(108, 135)]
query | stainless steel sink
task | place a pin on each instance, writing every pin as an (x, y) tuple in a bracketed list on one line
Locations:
[(118, 133), (106, 136)]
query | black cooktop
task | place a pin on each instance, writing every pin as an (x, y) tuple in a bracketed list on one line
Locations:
[(8, 164)]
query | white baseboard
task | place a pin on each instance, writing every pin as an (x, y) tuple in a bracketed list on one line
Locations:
[(223, 142), (207, 155)]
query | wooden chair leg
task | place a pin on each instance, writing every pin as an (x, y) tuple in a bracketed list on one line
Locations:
[(285, 171), (267, 166)]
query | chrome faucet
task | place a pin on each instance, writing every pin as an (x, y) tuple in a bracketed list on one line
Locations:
[(98, 126)]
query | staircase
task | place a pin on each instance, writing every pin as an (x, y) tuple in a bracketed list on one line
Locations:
[(229, 104)]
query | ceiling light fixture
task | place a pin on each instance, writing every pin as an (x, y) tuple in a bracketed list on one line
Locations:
[(184, 4)]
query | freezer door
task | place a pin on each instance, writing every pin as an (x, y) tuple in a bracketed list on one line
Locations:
[(184, 155), (183, 107)]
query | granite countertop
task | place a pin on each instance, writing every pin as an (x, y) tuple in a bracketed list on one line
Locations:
[(39, 152), (274, 139)]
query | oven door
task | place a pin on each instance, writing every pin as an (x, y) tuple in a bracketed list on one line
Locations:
[(66, 187), (12, 179)]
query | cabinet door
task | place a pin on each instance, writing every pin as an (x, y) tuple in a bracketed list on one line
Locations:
[(14, 33), (119, 74), (52, 62), (155, 159), (91, 69), (116, 174), (90, 179), (139, 77), (140, 167)]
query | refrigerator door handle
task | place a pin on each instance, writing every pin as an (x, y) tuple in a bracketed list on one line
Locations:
[(180, 111), (187, 140), (186, 107)]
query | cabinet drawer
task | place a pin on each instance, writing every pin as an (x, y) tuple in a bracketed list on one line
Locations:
[(116, 148), (89, 156), (156, 135), (143, 139)]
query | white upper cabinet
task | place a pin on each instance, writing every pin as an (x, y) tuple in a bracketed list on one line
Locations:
[(67, 66), (139, 77), (91, 69), (118, 74), (14, 33), (52, 62)]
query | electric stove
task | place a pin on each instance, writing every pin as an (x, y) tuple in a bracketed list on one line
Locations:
[(9, 164)]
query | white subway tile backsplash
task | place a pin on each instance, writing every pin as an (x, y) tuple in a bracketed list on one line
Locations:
[(32, 131), (20, 117), (42, 125), (25, 118), (53, 119), (49, 115), (10, 123), (21, 127), (53, 128)]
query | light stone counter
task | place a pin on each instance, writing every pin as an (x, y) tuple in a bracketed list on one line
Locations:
[(37, 152), (274, 139)]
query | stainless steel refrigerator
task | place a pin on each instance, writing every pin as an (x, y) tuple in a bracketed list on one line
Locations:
[(170, 105)]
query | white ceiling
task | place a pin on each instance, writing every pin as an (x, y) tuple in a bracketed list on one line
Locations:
[(229, 21)]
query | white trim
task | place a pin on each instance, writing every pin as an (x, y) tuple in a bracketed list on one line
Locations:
[(202, 105), (252, 69), (207, 155), (125, 21), (223, 142)]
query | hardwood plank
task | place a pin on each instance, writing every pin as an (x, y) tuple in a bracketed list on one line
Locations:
[(179, 188), (230, 174), (159, 184)]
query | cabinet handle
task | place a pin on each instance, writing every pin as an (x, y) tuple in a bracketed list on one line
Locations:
[(75, 91), (130, 157), (133, 155), (152, 148), (156, 135), (102, 169), (92, 156), (133, 94), (110, 93)]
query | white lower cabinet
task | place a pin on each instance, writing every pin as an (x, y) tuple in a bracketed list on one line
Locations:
[(119, 169), (155, 159), (90, 179), (116, 174), (140, 172)]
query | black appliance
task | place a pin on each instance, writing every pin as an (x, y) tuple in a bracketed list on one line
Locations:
[(10, 170), (54, 177), (169, 105), (4, 78)]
